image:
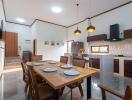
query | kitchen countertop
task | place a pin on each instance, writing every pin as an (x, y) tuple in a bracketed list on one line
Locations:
[(124, 57)]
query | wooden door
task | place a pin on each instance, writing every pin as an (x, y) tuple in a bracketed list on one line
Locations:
[(11, 44)]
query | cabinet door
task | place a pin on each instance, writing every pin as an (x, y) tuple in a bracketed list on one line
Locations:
[(95, 63), (128, 68), (116, 65)]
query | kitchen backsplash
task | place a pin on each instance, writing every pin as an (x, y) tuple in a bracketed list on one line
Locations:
[(115, 48)]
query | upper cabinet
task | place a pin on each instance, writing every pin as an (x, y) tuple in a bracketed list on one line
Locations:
[(128, 34), (101, 37)]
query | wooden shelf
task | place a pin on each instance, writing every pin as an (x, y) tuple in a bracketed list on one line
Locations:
[(101, 37), (128, 34)]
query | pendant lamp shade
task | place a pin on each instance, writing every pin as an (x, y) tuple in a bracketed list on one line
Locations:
[(90, 28), (77, 32)]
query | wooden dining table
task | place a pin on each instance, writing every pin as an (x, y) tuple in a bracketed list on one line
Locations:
[(58, 79)]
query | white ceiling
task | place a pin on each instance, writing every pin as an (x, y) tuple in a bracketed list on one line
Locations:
[(41, 9)]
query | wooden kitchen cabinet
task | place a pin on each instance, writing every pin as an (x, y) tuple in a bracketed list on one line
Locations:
[(116, 65), (128, 68), (95, 63), (101, 37)]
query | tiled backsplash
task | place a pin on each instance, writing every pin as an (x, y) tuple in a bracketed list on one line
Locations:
[(115, 48)]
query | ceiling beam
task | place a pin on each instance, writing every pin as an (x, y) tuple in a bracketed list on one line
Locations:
[(17, 23)]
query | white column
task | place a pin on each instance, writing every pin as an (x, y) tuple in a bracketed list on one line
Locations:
[(106, 68)]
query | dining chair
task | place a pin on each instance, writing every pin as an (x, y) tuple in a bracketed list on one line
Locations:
[(64, 59), (39, 92), (36, 58), (127, 96), (25, 78), (80, 63)]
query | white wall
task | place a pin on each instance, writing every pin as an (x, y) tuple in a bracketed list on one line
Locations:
[(24, 33), (50, 32), (122, 16), (1, 11), (2, 17)]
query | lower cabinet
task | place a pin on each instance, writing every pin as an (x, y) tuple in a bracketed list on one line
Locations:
[(128, 68), (95, 63), (116, 65)]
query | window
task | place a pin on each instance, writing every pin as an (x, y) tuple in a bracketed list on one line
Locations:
[(100, 49)]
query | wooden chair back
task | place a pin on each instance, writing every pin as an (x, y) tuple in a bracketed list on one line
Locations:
[(25, 72), (78, 62), (37, 57), (64, 59), (128, 93), (33, 84)]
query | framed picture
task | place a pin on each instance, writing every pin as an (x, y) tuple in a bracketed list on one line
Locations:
[(46, 43), (57, 43), (52, 43)]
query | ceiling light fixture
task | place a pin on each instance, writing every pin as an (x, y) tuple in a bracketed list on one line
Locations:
[(77, 31), (21, 20), (56, 9), (90, 28)]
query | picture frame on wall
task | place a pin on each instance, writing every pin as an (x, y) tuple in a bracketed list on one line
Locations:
[(46, 42), (58, 43), (52, 43)]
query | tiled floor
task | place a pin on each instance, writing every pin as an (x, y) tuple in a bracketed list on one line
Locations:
[(12, 62), (14, 87)]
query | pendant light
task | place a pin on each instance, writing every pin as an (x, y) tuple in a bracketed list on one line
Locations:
[(90, 28), (77, 31)]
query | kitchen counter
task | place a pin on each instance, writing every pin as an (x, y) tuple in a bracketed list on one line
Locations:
[(124, 57), (122, 60)]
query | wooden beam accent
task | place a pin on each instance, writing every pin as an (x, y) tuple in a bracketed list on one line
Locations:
[(50, 23), (111, 9), (17, 23)]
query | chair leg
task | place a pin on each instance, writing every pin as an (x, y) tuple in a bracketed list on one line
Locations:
[(103, 94), (71, 94), (61, 90), (81, 90), (26, 87), (28, 93)]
